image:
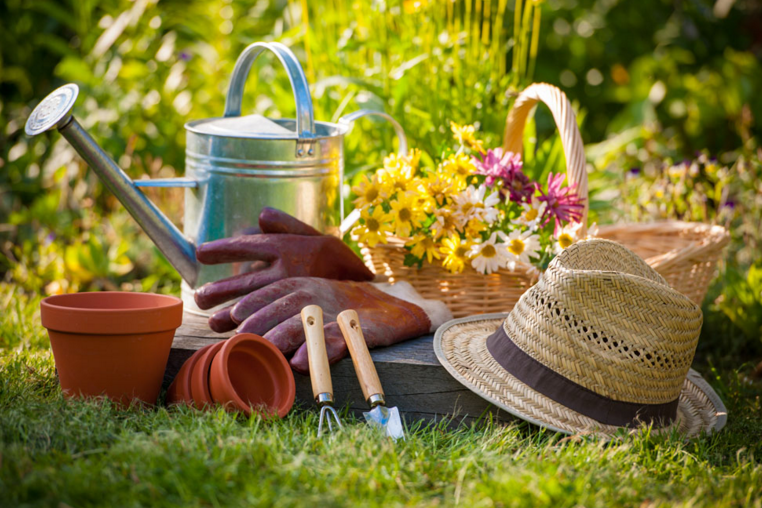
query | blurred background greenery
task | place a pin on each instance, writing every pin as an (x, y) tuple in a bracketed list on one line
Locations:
[(659, 85)]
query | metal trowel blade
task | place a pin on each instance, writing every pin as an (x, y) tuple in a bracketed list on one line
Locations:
[(388, 419)]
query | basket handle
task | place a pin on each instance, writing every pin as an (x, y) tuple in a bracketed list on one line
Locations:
[(566, 121)]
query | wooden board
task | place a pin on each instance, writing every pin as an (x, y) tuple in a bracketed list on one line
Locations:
[(410, 373)]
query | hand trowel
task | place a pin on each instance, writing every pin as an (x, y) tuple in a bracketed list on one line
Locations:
[(380, 416)]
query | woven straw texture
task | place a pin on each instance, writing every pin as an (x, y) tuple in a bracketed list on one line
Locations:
[(686, 254), (602, 318), (618, 330), (461, 348)]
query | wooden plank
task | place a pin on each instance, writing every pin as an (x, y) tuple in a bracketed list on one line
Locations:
[(410, 373)]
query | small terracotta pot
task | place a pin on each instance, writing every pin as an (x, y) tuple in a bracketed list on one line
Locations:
[(111, 343), (199, 379), (249, 372), (180, 391)]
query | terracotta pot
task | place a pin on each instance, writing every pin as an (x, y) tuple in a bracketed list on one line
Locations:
[(111, 343), (250, 373), (199, 379), (180, 391)]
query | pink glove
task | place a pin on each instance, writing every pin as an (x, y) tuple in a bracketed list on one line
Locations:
[(274, 312), (286, 247)]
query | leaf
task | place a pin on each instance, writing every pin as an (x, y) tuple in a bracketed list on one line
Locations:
[(133, 70), (411, 260), (73, 68), (754, 279)]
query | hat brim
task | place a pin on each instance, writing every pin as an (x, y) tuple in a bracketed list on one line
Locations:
[(460, 346)]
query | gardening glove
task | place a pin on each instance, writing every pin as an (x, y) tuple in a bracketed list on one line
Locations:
[(286, 247), (389, 314)]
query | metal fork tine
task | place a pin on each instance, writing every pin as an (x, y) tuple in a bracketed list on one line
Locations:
[(327, 413), (320, 423)]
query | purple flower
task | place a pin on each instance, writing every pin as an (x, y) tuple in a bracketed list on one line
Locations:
[(563, 204), (496, 165), (635, 171), (185, 56)]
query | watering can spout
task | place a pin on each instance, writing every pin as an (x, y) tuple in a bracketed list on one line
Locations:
[(55, 112)]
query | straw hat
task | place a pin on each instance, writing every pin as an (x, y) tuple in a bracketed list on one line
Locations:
[(599, 343)]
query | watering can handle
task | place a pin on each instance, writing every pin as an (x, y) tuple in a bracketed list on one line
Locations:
[(305, 118), (348, 120), (351, 118)]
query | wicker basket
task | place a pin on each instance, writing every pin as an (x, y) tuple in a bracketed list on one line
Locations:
[(685, 254)]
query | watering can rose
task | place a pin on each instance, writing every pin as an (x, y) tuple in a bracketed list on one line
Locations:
[(475, 208)]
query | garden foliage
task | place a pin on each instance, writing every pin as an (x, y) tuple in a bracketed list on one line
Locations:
[(654, 85)]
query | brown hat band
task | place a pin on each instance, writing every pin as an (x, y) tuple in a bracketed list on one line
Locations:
[(568, 393)]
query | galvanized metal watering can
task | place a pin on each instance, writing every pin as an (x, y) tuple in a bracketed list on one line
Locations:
[(234, 166)]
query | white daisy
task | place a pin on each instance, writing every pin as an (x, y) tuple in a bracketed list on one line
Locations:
[(520, 246), (445, 223), (472, 203), (532, 214), (567, 236), (466, 202), (487, 211), (488, 256)]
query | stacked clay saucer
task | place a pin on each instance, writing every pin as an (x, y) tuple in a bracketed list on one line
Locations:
[(244, 373)]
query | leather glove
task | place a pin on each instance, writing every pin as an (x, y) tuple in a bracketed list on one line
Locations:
[(389, 314), (285, 247)]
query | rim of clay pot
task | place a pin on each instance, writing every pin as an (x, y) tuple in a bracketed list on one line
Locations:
[(199, 378), (276, 365), (111, 312), (180, 390)]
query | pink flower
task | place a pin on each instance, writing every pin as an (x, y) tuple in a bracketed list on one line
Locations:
[(506, 167), (563, 204)]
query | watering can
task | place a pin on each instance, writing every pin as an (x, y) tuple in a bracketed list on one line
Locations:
[(234, 166)]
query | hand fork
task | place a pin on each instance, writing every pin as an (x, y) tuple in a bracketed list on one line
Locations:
[(320, 373)]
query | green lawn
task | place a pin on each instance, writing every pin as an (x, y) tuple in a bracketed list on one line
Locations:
[(59, 453)]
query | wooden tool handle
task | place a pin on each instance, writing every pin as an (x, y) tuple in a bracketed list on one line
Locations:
[(349, 323), (320, 373)]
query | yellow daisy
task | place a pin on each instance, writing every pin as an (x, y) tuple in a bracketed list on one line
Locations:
[(458, 168), (457, 253), (423, 199), (369, 192), (413, 158), (474, 227), (466, 136), (375, 227), (439, 187), (397, 175), (423, 245), (405, 215)]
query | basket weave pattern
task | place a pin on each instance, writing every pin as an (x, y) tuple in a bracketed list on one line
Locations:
[(464, 293), (685, 254)]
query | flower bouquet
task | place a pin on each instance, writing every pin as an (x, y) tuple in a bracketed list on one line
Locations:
[(473, 214)]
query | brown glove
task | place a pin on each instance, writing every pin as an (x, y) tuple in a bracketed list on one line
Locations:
[(274, 312), (286, 247)]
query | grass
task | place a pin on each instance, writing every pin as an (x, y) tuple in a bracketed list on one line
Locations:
[(55, 452)]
